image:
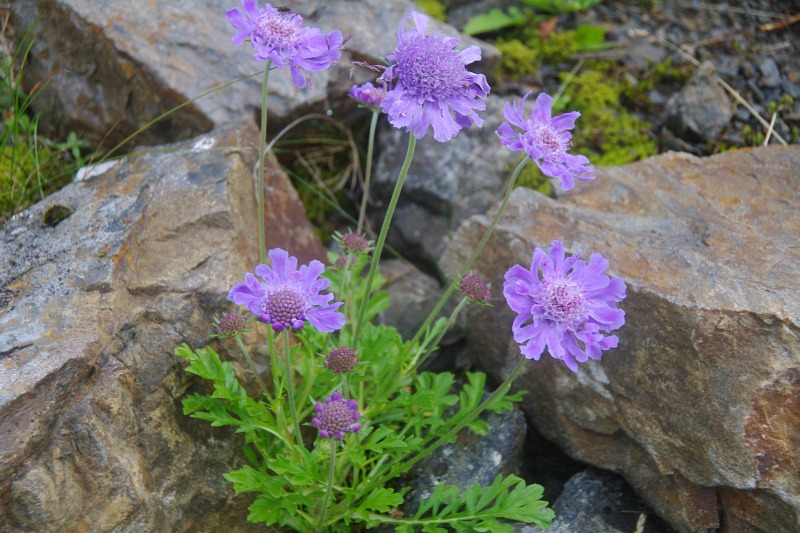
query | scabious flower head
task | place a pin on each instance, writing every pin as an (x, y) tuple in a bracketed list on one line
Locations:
[(431, 83), (368, 95), (564, 304), (341, 360), (279, 36), (546, 140), (288, 297), (475, 289), (231, 324), (336, 416)]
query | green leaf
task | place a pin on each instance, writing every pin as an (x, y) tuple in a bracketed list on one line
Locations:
[(590, 38), (557, 7), (381, 500), (481, 508), (495, 20)]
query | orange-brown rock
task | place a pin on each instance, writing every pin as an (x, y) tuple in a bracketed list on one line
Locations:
[(698, 407)]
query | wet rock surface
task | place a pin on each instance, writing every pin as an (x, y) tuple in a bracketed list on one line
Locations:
[(696, 406)]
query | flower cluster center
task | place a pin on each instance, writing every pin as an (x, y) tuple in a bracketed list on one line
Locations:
[(548, 140), (285, 305), (279, 32), (563, 301), (429, 68), (335, 417)]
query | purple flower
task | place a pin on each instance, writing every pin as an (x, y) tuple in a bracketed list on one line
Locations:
[(281, 37), (368, 94), (546, 140), (432, 83), (564, 304), (288, 297), (336, 417)]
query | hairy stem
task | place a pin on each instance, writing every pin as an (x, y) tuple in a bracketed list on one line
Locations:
[(329, 488), (262, 142), (287, 353), (412, 143), (368, 172)]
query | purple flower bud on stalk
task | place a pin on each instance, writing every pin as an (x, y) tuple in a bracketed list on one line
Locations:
[(546, 140), (336, 417), (231, 324), (564, 304), (475, 289), (341, 360), (279, 36), (353, 242), (288, 296), (430, 83)]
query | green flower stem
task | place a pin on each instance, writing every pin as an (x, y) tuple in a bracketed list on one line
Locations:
[(345, 288), (262, 142), (287, 353), (273, 362), (368, 172), (478, 249), (327, 499), (412, 143), (252, 365), (407, 465)]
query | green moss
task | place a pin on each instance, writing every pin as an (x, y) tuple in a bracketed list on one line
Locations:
[(524, 51), (55, 214), (518, 60), (606, 133), (433, 8)]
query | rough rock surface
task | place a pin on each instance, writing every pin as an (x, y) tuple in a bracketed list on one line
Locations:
[(92, 435), (446, 183), (118, 64), (698, 407)]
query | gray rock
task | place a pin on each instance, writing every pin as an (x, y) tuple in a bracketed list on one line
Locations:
[(117, 65), (770, 75), (446, 183), (698, 407), (595, 501), (92, 434), (701, 110)]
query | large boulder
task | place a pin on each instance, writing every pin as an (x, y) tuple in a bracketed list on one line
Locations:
[(699, 407), (92, 435), (116, 65)]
